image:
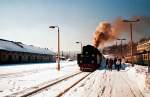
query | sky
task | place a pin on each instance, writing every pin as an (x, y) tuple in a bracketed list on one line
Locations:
[(28, 21)]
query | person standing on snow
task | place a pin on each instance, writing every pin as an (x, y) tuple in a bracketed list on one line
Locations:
[(110, 64), (123, 63), (115, 60), (107, 63), (118, 64)]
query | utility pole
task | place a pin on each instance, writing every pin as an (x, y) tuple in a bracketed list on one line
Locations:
[(121, 45), (130, 22), (58, 48), (116, 49), (148, 56)]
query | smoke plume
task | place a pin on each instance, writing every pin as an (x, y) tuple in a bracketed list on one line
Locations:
[(103, 33), (106, 32)]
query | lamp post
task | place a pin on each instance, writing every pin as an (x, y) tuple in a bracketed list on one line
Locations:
[(121, 44), (58, 53), (80, 44), (116, 50), (148, 56), (116, 43), (130, 22)]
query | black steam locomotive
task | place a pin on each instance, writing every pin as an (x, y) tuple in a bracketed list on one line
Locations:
[(90, 58)]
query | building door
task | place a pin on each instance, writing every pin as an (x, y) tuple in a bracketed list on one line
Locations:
[(10, 59), (29, 59), (20, 59)]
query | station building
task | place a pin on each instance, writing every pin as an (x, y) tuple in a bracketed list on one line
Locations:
[(143, 49), (16, 52), (143, 46)]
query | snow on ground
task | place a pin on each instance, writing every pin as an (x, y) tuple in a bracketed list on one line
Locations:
[(101, 83), (16, 68), (140, 75), (12, 84), (105, 83), (60, 87)]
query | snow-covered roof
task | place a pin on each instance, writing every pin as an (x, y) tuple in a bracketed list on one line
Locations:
[(20, 47)]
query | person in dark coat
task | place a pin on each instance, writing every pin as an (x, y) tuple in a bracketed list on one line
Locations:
[(106, 63), (118, 64), (115, 60), (110, 64)]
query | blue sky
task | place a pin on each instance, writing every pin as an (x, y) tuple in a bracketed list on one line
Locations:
[(28, 20)]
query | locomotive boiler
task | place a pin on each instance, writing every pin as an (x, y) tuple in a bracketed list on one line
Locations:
[(89, 59)]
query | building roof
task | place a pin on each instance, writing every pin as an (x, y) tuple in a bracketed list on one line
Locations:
[(144, 42), (20, 47), (143, 46)]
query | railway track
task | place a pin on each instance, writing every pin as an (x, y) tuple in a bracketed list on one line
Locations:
[(50, 84), (67, 89), (134, 91)]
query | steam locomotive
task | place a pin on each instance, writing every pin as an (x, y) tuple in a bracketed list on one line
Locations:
[(89, 59)]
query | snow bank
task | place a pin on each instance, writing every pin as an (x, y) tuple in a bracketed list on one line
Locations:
[(17, 68), (139, 75), (41, 73)]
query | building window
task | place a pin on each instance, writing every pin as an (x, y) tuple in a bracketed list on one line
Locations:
[(20, 58), (29, 58), (10, 59), (3, 56)]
